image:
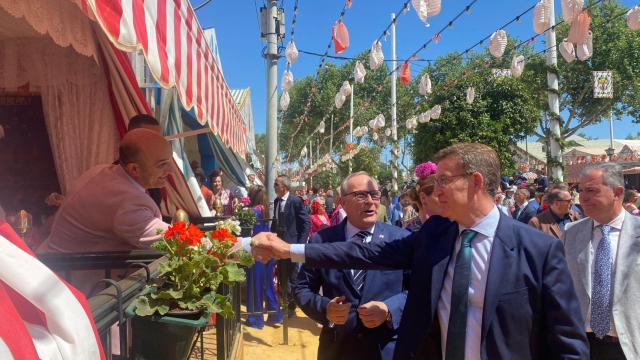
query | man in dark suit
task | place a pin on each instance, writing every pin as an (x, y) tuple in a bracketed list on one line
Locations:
[(360, 310), (483, 287), (291, 222), (525, 208)]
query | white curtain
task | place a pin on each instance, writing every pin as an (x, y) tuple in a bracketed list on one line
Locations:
[(75, 101)]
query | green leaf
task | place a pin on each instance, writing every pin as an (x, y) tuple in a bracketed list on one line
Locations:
[(168, 294), (232, 273)]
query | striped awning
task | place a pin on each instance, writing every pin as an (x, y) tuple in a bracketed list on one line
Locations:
[(178, 55)]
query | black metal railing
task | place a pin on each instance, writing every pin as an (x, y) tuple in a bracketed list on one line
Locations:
[(228, 329)]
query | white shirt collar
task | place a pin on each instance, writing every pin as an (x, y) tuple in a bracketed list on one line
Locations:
[(488, 225), (616, 223), (524, 204), (351, 230), (285, 197)]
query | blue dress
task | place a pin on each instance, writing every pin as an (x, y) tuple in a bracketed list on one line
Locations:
[(260, 287)]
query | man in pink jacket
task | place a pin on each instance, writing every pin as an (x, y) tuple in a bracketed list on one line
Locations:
[(108, 208)]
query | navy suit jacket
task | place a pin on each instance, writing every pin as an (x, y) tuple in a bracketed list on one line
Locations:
[(296, 221), (531, 310), (528, 212), (353, 340)]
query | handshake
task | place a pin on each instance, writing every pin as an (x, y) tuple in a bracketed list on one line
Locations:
[(265, 246)]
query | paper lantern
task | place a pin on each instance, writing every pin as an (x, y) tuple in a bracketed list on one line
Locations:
[(375, 136), (291, 52), (471, 95), (425, 85), (424, 117), (422, 9), (585, 50), (633, 18), (387, 132), (434, 7), (321, 127), (497, 43), (571, 9), (284, 101), (377, 122), (541, 16), (411, 123), (339, 100), (435, 112), (376, 57), (303, 153), (567, 51), (517, 65), (287, 80), (579, 28), (345, 89), (359, 72), (340, 36), (405, 73)]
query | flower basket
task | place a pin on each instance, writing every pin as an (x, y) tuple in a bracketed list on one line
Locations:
[(195, 265)]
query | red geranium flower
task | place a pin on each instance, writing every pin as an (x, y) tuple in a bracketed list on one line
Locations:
[(194, 235), (222, 235), (178, 228)]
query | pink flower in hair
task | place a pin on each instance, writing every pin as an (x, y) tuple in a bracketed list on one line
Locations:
[(426, 169)]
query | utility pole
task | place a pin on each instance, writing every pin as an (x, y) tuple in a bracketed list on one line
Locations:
[(270, 27), (353, 93), (331, 150), (394, 120), (554, 169)]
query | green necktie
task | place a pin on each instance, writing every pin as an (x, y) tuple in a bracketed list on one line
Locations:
[(457, 329)]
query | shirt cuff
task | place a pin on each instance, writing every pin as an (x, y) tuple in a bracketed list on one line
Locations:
[(297, 253), (246, 244)]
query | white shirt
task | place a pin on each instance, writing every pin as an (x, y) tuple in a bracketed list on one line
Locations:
[(614, 239), (481, 246), (281, 205), (350, 231)]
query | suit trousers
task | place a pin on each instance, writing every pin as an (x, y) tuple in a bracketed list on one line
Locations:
[(607, 348), (288, 275)]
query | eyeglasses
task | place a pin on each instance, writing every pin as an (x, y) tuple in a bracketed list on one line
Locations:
[(362, 195), (444, 181)]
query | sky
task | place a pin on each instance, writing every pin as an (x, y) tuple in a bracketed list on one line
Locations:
[(237, 26)]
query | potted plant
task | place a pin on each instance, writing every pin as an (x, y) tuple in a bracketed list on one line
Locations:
[(246, 216), (166, 316)]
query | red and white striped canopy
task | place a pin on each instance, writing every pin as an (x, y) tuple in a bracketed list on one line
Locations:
[(173, 43)]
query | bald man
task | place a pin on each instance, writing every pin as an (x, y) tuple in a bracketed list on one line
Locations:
[(108, 208)]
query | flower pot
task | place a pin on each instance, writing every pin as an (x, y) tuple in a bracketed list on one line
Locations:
[(165, 337), (246, 231)]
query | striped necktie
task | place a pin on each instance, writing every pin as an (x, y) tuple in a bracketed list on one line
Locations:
[(359, 275)]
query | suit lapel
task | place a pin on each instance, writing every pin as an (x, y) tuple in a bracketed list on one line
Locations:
[(441, 257), (555, 229), (583, 242), (500, 264), (627, 255)]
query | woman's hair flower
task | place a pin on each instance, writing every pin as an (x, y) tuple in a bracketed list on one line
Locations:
[(426, 169)]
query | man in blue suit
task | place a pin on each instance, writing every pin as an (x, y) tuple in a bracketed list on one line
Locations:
[(292, 223), (525, 208), (482, 287), (360, 310)]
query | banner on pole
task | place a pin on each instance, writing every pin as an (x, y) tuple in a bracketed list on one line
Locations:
[(602, 84)]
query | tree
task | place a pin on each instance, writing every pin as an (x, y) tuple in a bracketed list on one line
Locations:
[(615, 48), (587, 137), (371, 98), (504, 109), (261, 146)]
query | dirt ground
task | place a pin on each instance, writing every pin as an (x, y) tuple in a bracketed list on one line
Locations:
[(268, 343)]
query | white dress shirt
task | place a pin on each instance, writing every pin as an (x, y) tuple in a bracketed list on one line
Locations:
[(481, 246), (283, 200), (614, 238)]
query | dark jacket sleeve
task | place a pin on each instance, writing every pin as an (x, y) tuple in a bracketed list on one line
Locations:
[(303, 223), (307, 289), (563, 323)]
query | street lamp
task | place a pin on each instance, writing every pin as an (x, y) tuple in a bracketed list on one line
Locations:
[(610, 151)]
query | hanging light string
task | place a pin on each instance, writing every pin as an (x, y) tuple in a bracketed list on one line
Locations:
[(324, 56), (380, 87), (486, 64)]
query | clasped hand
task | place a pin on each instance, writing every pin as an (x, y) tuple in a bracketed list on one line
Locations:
[(265, 246)]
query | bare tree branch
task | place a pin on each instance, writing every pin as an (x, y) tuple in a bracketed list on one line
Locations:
[(590, 120), (575, 106)]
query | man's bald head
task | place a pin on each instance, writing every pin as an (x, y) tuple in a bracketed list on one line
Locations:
[(146, 156)]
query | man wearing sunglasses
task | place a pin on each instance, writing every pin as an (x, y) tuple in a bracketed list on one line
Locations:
[(482, 287), (360, 310)]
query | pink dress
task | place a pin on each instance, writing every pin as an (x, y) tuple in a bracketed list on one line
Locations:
[(318, 222)]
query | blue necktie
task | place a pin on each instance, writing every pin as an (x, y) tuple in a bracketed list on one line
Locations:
[(359, 275), (601, 286), (457, 329)]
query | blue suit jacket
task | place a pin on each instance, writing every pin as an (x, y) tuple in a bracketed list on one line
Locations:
[(353, 340), (296, 221), (531, 310), (528, 212)]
